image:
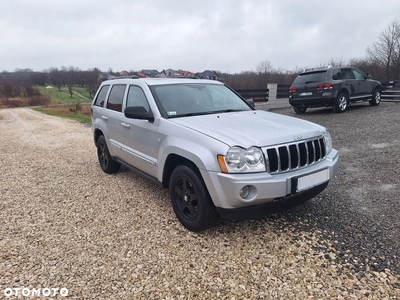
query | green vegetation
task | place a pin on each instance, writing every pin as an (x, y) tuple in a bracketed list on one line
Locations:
[(76, 107), (77, 112), (79, 95)]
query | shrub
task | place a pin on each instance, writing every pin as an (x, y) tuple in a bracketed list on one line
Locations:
[(38, 100)]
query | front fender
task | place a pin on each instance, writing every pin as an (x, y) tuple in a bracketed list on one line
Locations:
[(204, 156)]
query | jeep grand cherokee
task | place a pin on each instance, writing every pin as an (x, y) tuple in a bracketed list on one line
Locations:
[(213, 150)]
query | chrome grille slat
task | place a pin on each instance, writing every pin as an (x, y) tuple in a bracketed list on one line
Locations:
[(294, 156)]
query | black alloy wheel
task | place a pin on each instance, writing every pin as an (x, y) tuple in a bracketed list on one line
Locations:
[(190, 199)]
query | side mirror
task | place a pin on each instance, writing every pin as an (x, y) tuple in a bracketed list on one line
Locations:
[(369, 76), (139, 112)]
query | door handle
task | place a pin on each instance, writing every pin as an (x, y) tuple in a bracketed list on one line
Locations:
[(104, 118), (125, 125)]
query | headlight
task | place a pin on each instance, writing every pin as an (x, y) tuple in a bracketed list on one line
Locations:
[(327, 142), (239, 160)]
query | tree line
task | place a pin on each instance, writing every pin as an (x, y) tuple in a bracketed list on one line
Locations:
[(382, 60)]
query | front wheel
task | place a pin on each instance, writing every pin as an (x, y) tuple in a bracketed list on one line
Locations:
[(340, 103), (190, 199), (107, 163), (376, 98)]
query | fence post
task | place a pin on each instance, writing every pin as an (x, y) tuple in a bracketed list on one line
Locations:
[(272, 91)]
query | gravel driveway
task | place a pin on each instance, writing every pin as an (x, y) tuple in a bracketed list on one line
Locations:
[(66, 224)]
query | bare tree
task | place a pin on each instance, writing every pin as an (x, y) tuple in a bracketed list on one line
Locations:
[(386, 50), (70, 76), (56, 77), (264, 70)]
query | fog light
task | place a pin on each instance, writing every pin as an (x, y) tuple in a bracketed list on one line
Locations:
[(244, 192)]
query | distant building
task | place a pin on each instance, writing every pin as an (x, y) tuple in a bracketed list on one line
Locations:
[(207, 74), (150, 73), (141, 75)]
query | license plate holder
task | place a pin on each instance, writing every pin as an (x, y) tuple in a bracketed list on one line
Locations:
[(305, 94), (309, 181)]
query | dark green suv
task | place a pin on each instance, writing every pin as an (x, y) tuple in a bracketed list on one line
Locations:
[(333, 86)]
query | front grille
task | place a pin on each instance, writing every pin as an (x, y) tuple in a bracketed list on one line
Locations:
[(295, 155)]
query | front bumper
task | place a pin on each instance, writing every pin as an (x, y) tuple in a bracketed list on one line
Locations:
[(277, 205), (266, 189)]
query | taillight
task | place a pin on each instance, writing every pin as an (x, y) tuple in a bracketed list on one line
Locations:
[(292, 89), (324, 86)]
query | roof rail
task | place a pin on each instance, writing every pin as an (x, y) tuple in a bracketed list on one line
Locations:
[(317, 68), (122, 77)]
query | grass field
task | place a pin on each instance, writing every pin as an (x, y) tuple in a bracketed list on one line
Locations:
[(76, 107), (77, 112), (79, 95), (56, 102)]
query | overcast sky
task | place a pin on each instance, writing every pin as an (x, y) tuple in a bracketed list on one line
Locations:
[(225, 35)]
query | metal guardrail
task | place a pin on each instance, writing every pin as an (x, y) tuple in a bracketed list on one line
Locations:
[(257, 95), (391, 91)]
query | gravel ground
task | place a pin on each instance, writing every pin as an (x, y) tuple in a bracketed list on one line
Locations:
[(66, 224)]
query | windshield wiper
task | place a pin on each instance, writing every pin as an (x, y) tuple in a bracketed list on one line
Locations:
[(228, 110), (204, 113)]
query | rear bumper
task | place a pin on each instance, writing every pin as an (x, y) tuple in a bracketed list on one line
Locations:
[(311, 102), (324, 99)]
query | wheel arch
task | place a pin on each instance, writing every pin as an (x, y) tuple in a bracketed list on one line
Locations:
[(171, 162), (344, 90), (377, 88), (96, 134)]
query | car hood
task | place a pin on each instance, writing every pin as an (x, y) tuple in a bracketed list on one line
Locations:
[(251, 128)]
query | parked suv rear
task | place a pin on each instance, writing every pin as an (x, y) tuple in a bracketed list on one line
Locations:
[(333, 86)]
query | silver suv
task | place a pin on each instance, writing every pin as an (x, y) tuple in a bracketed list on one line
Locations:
[(217, 154)]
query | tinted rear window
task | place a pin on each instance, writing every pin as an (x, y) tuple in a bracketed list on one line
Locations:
[(309, 78), (116, 97)]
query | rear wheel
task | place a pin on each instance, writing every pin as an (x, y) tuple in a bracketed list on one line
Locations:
[(190, 199), (107, 163), (340, 103), (299, 110), (376, 98)]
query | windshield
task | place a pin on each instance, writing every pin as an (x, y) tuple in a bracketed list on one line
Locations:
[(188, 99)]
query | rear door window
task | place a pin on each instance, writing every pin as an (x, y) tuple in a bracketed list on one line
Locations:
[(347, 73), (337, 75), (116, 97), (359, 75)]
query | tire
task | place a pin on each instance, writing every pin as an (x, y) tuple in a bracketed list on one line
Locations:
[(107, 163), (190, 199), (299, 110), (376, 97), (340, 103)]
